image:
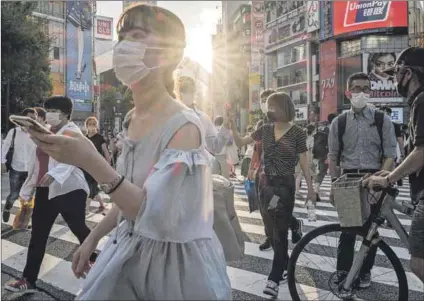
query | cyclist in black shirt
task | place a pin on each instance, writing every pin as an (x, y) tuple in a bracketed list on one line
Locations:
[(409, 72)]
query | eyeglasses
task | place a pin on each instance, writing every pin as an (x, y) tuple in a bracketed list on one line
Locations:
[(357, 89)]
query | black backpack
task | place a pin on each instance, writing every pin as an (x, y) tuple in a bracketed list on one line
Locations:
[(320, 148), (341, 124)]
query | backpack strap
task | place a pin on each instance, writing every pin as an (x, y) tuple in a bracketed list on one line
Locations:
[(379, 120), (341, 128)]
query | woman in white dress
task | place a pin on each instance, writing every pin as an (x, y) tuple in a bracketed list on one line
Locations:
[(165, 247)]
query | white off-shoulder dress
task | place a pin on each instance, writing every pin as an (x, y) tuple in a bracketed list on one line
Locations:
[(170, 252)]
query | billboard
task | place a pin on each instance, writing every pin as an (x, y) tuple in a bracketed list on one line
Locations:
[(285, 31), (328, 78), (79, 33), (326, 19), (103, 28), (368, 16), (383, 88), (312, 15)]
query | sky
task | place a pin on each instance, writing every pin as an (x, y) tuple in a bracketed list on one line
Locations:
[(199, 18)]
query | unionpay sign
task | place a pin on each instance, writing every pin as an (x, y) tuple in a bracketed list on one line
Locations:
[(368, 16)]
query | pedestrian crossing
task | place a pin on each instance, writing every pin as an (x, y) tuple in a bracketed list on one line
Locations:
[(248, 276)]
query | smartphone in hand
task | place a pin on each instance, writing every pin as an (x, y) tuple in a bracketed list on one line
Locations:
[(28, 123)]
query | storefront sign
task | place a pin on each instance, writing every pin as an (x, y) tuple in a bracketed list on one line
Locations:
[(104, 28), (368, 16), (397, 115), (383, 88), (257, 53), (328, 76), (326, 19), (301, 114), (285, 31), (312, 16)]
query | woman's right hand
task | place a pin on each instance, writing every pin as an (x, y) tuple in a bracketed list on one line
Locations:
[(81, 258)]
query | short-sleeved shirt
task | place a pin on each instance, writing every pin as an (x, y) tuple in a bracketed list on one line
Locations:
[(416, 130), (281, 157), (98, 141)]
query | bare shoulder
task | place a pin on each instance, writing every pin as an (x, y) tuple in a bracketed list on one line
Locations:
[(186, 138)]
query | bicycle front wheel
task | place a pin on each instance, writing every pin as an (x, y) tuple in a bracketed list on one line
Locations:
[(313, 268)]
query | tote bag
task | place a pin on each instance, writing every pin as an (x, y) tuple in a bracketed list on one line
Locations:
[(226, 224)]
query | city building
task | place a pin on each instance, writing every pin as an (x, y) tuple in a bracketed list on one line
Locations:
[(290, 45), (363, 37), (52, 15), (125, 4), (217, 90)]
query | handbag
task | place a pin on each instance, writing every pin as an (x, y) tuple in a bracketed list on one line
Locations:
[(9, 155), (23, 217), (226, 224), (252, 198)]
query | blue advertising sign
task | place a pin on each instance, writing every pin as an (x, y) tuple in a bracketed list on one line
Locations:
[(79, 36)]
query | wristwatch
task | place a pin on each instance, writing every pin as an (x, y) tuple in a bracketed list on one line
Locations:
[(108, 188)]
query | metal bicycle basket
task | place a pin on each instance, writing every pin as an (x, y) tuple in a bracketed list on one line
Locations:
[(348, 193)]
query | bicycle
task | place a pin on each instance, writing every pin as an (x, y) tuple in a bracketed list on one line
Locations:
[(345, 285)]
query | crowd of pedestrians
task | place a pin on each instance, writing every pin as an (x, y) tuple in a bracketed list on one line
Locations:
[(158, 172)]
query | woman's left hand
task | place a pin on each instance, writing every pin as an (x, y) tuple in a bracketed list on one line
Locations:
[(70, 148)]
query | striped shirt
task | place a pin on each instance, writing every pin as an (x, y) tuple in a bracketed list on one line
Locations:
[(281, 157)]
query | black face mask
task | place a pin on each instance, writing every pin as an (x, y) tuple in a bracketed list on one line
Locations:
[(272, 116), (403, 89)]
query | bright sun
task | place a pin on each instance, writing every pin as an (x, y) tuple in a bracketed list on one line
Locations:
[(199, 39)]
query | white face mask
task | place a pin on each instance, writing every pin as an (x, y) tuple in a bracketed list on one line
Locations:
[(359, 100), (128, 61), (264, 107), (187, 99), (53, 118)]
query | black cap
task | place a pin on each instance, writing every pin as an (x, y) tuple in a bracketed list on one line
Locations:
[(413, 57)]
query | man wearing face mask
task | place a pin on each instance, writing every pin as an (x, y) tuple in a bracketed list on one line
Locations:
[(60, 188), (409, 73), (360, 141), (216, 137)]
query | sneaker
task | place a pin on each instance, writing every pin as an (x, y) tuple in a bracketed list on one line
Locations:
[(365, 280), (6, 215), (297, 233), (284, 277), (298, 195), (271, 289), (20, 286), (266, 245)]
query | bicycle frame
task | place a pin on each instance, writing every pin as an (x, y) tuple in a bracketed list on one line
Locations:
[(383, 210)]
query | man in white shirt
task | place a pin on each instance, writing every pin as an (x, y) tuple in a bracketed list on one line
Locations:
[(62, 189), (23, 148)]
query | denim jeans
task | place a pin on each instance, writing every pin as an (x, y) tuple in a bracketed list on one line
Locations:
[(16, 180)]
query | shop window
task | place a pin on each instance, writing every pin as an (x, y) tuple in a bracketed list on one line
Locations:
[(377, 44), (56, 55)]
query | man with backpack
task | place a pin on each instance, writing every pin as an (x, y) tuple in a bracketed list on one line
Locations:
[(320, 153), (361, 141)]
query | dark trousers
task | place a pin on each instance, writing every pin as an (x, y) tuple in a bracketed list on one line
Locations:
[(345, 251), (278, 220), (16, 180), (72, 208), (294, 222), (345, 254)]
